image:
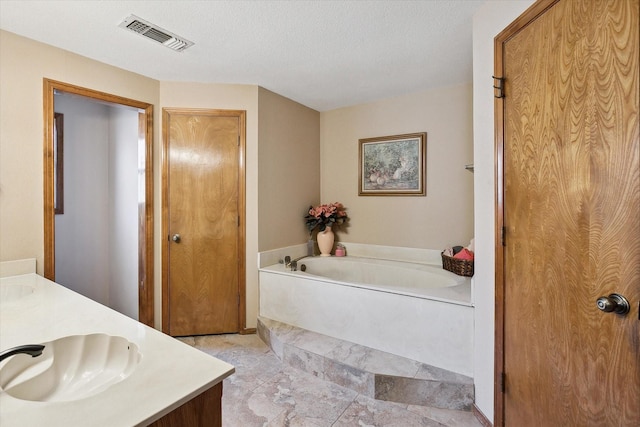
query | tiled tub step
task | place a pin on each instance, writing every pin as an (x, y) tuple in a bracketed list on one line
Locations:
[(370, 372)]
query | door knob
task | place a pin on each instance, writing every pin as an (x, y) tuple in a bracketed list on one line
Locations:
[(614, 302), (176, 238)]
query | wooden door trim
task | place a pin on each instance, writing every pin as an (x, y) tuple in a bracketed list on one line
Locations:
[(145, 266), (526, 18), (241, 115)]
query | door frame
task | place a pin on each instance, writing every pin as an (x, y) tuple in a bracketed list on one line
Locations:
[(145, 210), (528, 16), (241, 114)]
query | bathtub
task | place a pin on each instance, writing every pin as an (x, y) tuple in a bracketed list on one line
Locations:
[(413, 310)]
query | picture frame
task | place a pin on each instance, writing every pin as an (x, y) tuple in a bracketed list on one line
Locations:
[(58, 163), (393, 165)]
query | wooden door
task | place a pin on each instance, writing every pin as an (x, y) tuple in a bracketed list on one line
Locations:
[(570, 194), (203, 197)]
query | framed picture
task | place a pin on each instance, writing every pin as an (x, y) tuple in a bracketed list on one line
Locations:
[(393, 165), (58, 163)]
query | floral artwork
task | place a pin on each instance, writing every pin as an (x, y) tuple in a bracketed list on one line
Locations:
[(393, 165)]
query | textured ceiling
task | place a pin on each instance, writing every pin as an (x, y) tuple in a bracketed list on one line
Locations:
[(323, 54)]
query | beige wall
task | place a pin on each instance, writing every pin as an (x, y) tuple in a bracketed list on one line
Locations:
[(491, 18), (229, 97), (23, 65), (288, 169), (445, 216), (303, 159)]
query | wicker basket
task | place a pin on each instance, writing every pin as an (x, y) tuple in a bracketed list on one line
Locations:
[(461, 267)]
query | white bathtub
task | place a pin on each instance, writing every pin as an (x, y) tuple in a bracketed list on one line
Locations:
[(417, 311)]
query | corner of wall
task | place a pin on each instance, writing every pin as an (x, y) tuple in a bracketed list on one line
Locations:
[(491, 18)]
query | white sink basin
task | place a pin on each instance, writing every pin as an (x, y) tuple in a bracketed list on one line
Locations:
[(70, 368)]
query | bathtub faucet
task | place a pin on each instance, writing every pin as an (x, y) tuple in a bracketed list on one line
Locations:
[(32, 349), (292, 264)]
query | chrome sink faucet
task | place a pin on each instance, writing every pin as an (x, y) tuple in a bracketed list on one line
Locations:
[(34, 350)]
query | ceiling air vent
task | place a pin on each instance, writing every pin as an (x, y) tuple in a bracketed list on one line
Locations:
[(155, 33)]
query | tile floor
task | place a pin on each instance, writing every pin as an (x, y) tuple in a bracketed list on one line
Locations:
[(265, 392), (370, 372)]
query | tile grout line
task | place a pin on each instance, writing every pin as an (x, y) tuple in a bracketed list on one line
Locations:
[(345, 409)]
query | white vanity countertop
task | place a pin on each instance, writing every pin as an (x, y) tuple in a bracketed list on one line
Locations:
[(169, 374)]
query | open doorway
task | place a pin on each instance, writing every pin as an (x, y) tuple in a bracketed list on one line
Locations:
[(139, 185)]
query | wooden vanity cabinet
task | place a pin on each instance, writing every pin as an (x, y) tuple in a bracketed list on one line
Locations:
[(204, 410)]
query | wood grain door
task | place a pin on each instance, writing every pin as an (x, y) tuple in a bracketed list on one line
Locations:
[(204, 247), (571, 215)]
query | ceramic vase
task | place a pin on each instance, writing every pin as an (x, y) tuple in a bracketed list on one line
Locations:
[(325, 241)]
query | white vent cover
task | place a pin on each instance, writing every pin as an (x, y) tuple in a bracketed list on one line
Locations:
[(155, 33)]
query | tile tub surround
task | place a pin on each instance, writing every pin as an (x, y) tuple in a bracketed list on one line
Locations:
[(369, 372), (169, 374), (435, 331), (392, 253)]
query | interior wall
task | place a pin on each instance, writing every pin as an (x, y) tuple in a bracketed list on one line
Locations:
[(225, 97), (489, 20), (97, 236), (23, 65), (124, 176), (444, 216), (288, 168), (82, 232)]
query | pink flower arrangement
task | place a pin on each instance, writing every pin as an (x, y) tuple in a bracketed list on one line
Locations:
[(325, 216)]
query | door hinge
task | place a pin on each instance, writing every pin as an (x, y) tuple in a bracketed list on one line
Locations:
[(238, 220), (238, 140), (238, 300), (503, 236), (503, 382), (498, 86)]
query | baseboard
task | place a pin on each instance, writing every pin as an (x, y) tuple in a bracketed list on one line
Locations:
[(247, 331), (481, 417)]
